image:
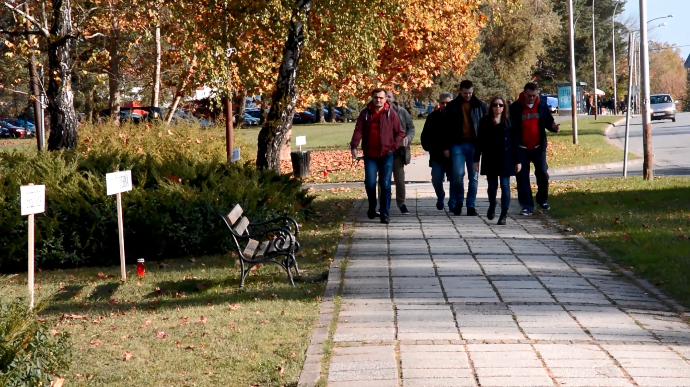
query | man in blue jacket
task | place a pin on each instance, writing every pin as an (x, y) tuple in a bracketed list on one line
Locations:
[(531, 118)]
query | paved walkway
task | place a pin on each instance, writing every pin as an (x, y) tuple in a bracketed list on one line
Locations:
[(439, 300)]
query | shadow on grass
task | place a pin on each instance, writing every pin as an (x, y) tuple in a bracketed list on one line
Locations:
[(214, 280), (646, 229), (68, 292)]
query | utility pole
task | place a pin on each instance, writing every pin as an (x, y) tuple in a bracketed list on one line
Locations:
[(594, 64), (613, 50), (647, 166), (573, 86), (631, 64)]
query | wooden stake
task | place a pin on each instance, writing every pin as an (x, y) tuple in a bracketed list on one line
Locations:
[(121, 232), (31, 260)]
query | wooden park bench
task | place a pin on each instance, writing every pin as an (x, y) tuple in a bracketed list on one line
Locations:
[(269, 241)]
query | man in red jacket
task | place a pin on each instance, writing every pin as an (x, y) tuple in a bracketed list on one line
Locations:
[(378, 127), (531, 118)]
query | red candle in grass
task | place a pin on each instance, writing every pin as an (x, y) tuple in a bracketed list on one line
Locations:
[(140, 267)]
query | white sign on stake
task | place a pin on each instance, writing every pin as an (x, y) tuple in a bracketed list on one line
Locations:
[(116, 183), (301, 140), (33, 199), (235, 155)]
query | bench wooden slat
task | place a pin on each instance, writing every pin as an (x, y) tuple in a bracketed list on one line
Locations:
[(250, 249), (262, 249), (235, 214), (242, 225)]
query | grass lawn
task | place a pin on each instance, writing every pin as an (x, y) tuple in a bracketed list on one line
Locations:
[(592, 148), (644, 225), (188, 324)]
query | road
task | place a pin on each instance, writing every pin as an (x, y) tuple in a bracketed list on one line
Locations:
[(670, 145)]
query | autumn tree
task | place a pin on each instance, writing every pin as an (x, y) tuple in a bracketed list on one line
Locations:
[(666, 71)]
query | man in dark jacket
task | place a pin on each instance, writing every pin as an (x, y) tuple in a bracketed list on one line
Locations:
[(531, 117), (402, 155), (462, 120), (434, 141), (378, 128)]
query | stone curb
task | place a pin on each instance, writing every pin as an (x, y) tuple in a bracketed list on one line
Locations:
[(629, 274), (606, 134), (311, 371)]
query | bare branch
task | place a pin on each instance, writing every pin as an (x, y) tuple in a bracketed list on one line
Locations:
[(44, 31), (97, 34)]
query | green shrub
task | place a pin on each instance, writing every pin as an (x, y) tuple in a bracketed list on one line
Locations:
[(30, 355), (180, 187)]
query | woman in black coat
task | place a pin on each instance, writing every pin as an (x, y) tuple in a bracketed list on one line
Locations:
[(496, 147)]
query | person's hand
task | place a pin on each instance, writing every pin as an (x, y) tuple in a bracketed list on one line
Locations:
[(354, 153), (556, 128), (406, 141), (476, 167), (446, 153), (518, 168)]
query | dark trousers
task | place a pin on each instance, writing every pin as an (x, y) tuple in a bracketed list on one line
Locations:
[(505, 190), (538, 158), (383, 166)]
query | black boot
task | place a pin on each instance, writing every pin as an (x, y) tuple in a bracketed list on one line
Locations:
[(492, 210), (502, 218)]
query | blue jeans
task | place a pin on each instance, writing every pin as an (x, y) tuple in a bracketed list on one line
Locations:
[(384, 167), (437, 173), (505, 191), (462, 155), (538, 158)]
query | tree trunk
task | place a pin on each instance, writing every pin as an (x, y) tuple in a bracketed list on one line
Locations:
[(34, 89), (63, 119), (274, 138), (90, 105), (155, 95), (114, 75), (320, 115), (180, 91), (331, 112), (241, 106)]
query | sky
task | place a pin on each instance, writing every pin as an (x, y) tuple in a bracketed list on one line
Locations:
[(676, 30)]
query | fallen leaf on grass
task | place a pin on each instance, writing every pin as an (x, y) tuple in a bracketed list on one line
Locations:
[(281, 370), (103, 276), (645, 225), (568, 229), (189, 347), (161, 335), (202, 320), (145, 324), (128, 355), (58, 382), (201, 286), (95, 343), (54, 332), (73, 317), (617, 221)]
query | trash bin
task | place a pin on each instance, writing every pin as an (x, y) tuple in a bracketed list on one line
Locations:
[(300, 163)]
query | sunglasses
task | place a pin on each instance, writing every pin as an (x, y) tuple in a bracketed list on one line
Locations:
[(497, 105)]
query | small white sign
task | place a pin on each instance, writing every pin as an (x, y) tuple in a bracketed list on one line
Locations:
[(301, 140), (235, 155), (118, 182), (33, 198)]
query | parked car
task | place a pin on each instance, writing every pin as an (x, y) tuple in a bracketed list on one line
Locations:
[(552, 102), (27, 125), (307, 117), (250, 120), (662, 107), (14, 131), (182, 116), (4, 132)]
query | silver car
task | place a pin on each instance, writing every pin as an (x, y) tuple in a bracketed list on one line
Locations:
[(663, 107)]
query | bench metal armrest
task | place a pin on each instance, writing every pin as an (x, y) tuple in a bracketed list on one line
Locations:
[(288, 222)]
